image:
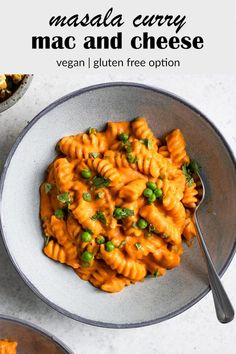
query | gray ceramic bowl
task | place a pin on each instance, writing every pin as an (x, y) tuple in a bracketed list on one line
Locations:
[(30, 339), (145, 303), (17, 94)]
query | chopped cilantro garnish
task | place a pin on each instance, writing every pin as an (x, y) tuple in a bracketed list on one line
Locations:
[(188, 171), (100, 216), (138, 245), (122, 244), (156, 273), (46, 240), (151, 228), (164, 235), (94, 155), (188, 175), (92, 131), (194, 166), (131, 158), (100, 182), (57, 148), (47, 187), (147, 143), (126, 146)]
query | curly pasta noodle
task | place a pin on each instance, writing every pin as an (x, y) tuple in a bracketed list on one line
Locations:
[(163, 150), (133, 190), (115, 205), (176, 146), (55, 251), (189, 198), (105, 169), (63, 174), (80, 146), (124, 265)]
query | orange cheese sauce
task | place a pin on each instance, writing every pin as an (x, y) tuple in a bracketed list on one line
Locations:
[(99, 214)]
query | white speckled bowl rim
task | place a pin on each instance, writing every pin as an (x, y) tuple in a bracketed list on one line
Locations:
[(37, 329), (28, 127)]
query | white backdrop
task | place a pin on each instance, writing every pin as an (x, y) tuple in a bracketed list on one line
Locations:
[(214, 20)]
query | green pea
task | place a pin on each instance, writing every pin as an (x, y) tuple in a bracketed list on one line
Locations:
[(152, 198), (87, 197), (110, 246), (124, 137), (100, 240), (147, 192), (151, 185), (64, 198), (87, 256), (158, 193), (142, 223), (86, 174), (59, 213), (118, 213), (86, 236)]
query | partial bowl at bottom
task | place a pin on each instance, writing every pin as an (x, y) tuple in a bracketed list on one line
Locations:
[(30, 338)]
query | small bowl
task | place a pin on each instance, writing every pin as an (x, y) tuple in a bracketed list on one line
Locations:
[(153, 300), (30, 338), (10, 101)]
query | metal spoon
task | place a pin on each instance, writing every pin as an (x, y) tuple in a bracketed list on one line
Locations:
[(223, 306)]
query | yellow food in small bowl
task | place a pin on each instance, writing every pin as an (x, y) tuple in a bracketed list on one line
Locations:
[(9, 83)]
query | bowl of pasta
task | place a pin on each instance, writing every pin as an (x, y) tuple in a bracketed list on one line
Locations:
[(103, 225), (21, 337)]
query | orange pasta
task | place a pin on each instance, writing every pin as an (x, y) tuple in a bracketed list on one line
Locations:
[(116, 204), (7, 346)]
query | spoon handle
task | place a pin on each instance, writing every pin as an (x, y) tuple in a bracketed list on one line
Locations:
[(223, 306)]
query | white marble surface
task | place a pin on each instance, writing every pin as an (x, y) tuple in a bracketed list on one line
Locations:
[(194, 331)]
